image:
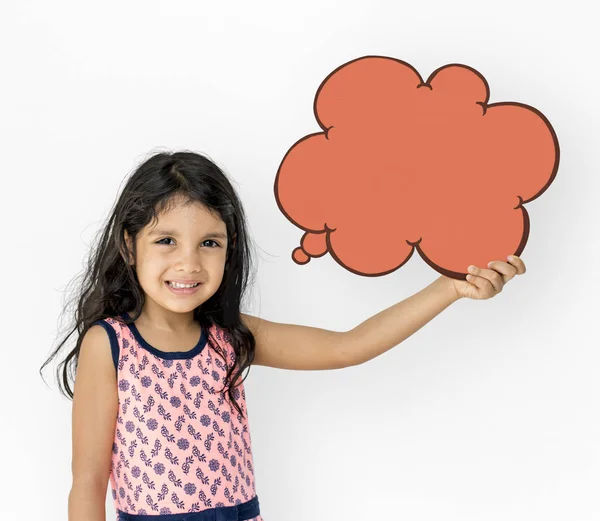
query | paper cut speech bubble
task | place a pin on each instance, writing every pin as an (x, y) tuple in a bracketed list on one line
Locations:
[(404, 164)]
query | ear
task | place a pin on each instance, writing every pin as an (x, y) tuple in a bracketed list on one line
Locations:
[(127, 256), (230, 247)]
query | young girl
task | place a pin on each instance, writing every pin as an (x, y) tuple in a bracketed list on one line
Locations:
[(158, 405)]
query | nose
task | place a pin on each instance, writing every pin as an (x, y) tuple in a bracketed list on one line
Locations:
[(189, 261)]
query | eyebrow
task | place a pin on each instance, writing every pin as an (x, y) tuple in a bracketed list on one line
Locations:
[(213, 235)]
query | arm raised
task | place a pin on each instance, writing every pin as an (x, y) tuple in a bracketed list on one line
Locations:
[(289, 346)]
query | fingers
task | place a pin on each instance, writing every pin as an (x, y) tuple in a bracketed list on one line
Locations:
[(499, 274), (484, 287), (491, 281), (517, 263), (481, 278), (507, 271)]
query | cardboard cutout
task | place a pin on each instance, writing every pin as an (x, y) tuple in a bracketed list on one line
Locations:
[(404, 164)]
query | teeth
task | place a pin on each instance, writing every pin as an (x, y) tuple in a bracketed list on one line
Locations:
[(177, 285)]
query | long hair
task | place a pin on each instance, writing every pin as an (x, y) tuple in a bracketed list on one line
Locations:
[(109, 285)]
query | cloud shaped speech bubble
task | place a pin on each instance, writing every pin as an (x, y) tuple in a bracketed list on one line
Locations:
[(404, 164)]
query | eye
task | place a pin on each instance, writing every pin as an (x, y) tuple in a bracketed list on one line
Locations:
[(216, 244)]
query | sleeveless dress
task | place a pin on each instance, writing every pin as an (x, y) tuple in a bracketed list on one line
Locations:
[(181, 451)]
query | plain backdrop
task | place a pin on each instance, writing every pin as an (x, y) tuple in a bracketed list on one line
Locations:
[(488, 412)]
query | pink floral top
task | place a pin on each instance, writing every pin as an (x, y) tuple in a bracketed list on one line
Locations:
[(179, 445)]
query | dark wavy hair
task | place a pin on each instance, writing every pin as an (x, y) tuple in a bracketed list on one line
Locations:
[(109, 285)]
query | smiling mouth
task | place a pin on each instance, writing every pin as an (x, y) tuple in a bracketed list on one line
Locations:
[(168, 282)]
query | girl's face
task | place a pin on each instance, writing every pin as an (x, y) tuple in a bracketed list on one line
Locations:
[(187, 244)]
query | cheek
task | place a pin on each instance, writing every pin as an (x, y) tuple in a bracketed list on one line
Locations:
[(216, 266), (152, 266)]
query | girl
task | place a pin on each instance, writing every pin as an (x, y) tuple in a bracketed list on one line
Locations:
[(158, 405)]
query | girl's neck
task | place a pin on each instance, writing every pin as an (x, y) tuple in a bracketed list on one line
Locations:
[(167, 321)]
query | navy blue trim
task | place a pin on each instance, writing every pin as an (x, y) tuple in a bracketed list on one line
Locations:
[(168, 355), (241, 512), (114, 342)]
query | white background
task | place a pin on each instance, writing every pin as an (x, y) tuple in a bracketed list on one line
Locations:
[(490, 412)]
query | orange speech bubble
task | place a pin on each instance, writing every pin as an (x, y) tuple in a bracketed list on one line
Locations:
[(404, 164)]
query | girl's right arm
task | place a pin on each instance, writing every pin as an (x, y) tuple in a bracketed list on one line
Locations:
[(95, 405)]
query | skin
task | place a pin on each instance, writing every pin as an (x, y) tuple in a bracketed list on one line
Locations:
[(484, 283), (188, 253)]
